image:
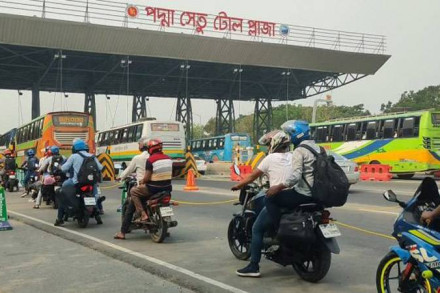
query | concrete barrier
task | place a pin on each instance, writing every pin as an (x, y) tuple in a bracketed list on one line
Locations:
[(219, 168)]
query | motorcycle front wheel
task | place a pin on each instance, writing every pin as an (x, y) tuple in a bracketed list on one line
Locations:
[(159, 233), (238, 240), (389, 273), (315, 266)]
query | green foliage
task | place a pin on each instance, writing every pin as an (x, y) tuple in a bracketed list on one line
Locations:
[(426, 98)]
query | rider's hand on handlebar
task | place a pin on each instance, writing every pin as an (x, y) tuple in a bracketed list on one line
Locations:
[(235, 187), (118, 179)]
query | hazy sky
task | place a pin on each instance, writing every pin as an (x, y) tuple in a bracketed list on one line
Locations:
[(413, 39)]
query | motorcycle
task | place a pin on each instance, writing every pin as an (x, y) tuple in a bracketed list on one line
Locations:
[(79, 204), (414, 264), (11, 181), (33, 187), (158, 208), (311, 259)]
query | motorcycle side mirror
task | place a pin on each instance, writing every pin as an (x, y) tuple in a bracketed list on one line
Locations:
[(237, 170), (389, 195)]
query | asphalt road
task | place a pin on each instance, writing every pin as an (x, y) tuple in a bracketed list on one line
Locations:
[(199, 246)]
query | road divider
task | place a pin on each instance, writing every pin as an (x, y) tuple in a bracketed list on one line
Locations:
[(108, 173)]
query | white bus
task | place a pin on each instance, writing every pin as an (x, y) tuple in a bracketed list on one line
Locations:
[(121, 142)]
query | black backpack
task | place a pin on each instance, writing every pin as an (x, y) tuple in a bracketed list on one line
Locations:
[(330, 187), (54, 168), (89, 172), (10, 164)]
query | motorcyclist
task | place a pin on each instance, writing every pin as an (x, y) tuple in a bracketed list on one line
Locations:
[(294, 190), (276, 166), (10, 164), (72, 167), (137, 165), (31, 165), (48, 169), (158, 174)]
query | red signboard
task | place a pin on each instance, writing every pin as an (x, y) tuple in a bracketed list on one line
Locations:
[(199, 21)]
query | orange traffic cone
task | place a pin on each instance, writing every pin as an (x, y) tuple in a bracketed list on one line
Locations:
[(190, 181)]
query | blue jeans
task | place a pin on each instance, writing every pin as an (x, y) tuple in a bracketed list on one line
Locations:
[(288, 199), (261, 224)]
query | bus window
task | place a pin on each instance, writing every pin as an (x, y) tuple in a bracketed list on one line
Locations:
[(371, 130), (124, 137), (313, 132), (210, 144), (214, 143), (198, 144), (321, 134), (139, 129), (351, 132), (337, 133), (408, 127), (416, 126), (388, 129), (221, 142)]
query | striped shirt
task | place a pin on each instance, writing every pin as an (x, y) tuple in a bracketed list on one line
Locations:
[(161, 167)]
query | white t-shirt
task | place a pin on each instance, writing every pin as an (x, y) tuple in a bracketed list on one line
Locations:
[(277, 166)]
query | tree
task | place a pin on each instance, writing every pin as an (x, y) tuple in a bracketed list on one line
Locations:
[(426, 98)]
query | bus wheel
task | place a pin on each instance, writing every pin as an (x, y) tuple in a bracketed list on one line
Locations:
[(374, 162), (405, 176)]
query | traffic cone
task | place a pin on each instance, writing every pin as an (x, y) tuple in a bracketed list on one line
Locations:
[(190, 181), (4, 224)]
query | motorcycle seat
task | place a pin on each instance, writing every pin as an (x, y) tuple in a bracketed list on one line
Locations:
[(159, 195)]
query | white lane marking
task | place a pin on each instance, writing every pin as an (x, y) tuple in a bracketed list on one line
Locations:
[(137, 254), (379, 212)]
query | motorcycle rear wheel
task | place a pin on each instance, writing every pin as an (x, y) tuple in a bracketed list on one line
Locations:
[(161, 230), (238, 243), (83, 220), (384, 275), (316, 267)]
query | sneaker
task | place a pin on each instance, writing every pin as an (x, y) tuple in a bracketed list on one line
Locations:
[(31, 200), (58, 222), (251, 270), (24, 194), (36, 206)]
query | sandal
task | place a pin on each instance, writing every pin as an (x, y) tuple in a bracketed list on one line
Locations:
[(118, 236)]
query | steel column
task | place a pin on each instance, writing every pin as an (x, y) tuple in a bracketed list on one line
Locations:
[(90, 106), (262, 117), (225, 117), (35, 102), (184, 115), (139, 110)]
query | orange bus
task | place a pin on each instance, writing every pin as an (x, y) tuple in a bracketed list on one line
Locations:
[(54, 128)]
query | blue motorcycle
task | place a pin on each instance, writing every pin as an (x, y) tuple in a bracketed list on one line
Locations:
[(413, 265)]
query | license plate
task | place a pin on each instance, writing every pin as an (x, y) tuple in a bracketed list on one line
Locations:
[(89, 201), (11, 176), (330, 230), (166, 211)]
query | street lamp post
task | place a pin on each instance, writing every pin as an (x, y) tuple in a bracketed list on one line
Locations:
[(328, 100)]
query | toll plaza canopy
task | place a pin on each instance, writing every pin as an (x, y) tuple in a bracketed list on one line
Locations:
[(105, 47)]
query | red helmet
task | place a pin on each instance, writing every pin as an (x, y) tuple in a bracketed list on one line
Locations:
[(7, 152), (154, 145)]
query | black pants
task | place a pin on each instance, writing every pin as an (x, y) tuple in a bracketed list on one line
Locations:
[(287, 199), (128, 217)]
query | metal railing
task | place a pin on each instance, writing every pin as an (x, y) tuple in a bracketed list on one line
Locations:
[(111, 13)]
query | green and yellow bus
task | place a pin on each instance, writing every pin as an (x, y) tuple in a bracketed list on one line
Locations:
[(408, 142)]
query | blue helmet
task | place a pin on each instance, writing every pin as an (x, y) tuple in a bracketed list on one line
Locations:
[(30, 153), (79, 145), (55, 150), (298, 130)]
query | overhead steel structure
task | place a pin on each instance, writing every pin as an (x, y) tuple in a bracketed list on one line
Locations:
[(42, 54)]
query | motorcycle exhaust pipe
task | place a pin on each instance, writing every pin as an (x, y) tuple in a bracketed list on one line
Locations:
[(172, 224)]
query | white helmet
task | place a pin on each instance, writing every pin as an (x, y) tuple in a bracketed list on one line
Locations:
[(143, 142), (280, 141), (266, 138)]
